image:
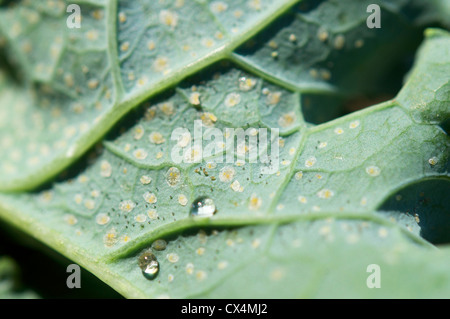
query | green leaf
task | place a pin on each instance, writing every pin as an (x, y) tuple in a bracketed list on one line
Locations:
[(81, 81), (77, 83), (294, 233)]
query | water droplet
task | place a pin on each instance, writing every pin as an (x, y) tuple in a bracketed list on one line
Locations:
[(203, 207), (148, 264), (159, 244)]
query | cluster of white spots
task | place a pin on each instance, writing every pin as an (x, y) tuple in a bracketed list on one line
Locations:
[(218, 6), (122, 17), (184, 139), (298, 175), (189, 268), (373, 170), (323, 144), (227, 174), (208, 42), (253, 132), (359, 43), (172, 257), (287, 119), (236, 186), (273, 45), (168, 18), (229, 242), (152, 214), (208, 119), (105, 169), (433, 161), (70, 219), (325, 74), (140, 154), (193, 155), (89, 204), (141, 218), (125, 238), (46, 196), (354, 124), (102, 219), (382, 232), (338, 131), (92, 35), (142, 81), (78, 198), (339, 42), (200, 251), (125, 46), (363, 201), (285, 162), (202, 237), (325, 230), (156, 138), (302, 199), (254, 4), (292, 151), (167, 108), (314, 73), (110, 238), (238, 13), (222, 265), (194, 98), (292, 37), (161, 64), (325, 193), (310, 161), (150, 113), (93, 84), (68, 80), (151, 45), (255, 202), (83, 179), (127, 206), (232, 99), (182, 200), (201, 275), (173, 176), (322, 34), (138, 132), (277, 274), (256, 243), (150, 198), (273, 98), (246, 84)]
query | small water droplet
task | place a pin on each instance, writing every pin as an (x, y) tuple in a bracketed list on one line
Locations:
[(159, 244), (203, 207), (148, 264)]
